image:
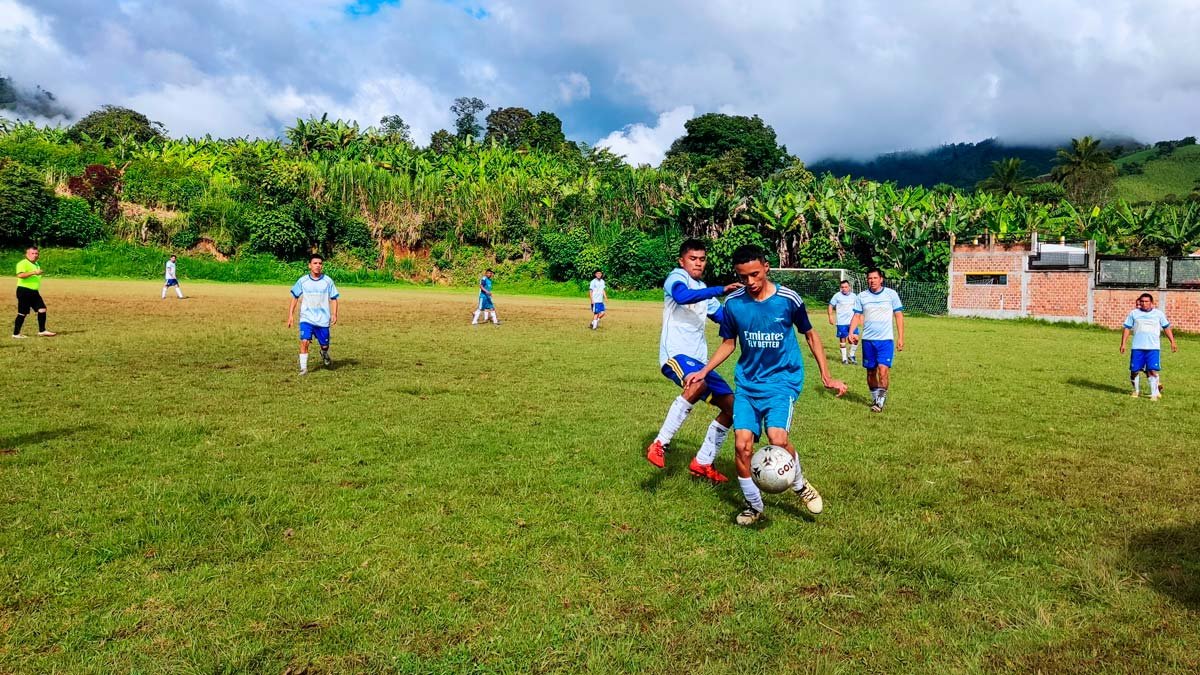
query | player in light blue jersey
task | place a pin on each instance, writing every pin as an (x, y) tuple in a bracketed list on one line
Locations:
[(840, 312), (762, 320), (318, 299), (1146, 323), (486, 304), (874, 310)]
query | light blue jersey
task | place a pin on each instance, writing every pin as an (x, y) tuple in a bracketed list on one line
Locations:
[(485, 283), (877, 310), (1146, 328), (315, 294), (843, 305), (770, 362)]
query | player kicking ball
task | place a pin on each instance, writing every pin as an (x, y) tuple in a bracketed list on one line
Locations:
[(318, 299), (760, 319), (874, 309), (682, 349), (1146, 323)]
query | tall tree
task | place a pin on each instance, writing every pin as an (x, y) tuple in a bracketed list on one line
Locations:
[(544, 132), (466, 125), (712, 135), (1007, 178), (111, 124), (1086, 172), (441, 142), (507, 126), (395, 128)]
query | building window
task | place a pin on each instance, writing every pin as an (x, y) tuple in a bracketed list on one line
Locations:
[(986, 279), (1126, 272), (1183, 272)]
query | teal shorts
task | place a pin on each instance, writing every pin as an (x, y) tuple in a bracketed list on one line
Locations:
[(755, 413)]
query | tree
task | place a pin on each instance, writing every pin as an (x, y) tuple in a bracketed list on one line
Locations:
[(441, 142), (544, 132), (465, 109), (26, 201), (508, 126), (712, 135), (111, 124), (1086, 172), (395, 128), (1006, 178)]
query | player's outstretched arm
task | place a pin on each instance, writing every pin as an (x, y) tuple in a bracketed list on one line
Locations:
[(724, 350), (292, 310), (899, 330), (818, 352), (1125, 338)]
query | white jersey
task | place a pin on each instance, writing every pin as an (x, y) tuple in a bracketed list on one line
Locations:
[(877, 310), (597, 289), (843, 305), (683, 325), (170, 270)]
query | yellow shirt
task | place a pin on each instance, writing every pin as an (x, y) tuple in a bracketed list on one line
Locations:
[(32, 282)]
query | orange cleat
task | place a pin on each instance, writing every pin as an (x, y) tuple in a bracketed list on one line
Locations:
[(654, 454), (706, 471)]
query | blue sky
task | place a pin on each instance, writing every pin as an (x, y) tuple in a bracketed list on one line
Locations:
[(854, 78)]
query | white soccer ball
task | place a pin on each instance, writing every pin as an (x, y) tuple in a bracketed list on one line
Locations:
[(773, 469)]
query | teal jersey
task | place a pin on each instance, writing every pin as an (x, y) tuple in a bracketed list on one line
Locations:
[(770, 362), (485, 284)]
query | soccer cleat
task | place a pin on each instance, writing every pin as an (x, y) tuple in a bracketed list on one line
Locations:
[(1155, 396), (854, 360), (748, 516), (811, 498), (304, 371), (707, 471), (654, 454), (876, 406), (845, 361), (1134, 394), (46, 333), (326, 360), (19, 337)]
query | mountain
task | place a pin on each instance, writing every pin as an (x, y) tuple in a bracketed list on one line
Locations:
[(1154, 174)]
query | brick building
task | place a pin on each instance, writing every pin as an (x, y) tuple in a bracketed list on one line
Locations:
[(1068, 282)]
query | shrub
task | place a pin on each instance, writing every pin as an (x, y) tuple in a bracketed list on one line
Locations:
[(111, 123), (720, 252), (74, 223), (593, 257), (819, 252), (561, 249), (354, 233), (216, 212), (101, 186), (636, 260), (158, 183), (276, 232), (26, 202)]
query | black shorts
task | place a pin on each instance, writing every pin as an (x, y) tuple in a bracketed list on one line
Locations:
[(28, 299)]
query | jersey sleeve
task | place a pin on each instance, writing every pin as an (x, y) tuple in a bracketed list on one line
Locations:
[(1128, 321), (333, 291), (297, 288), (729, 329), (858, 308), (897, 306), (1162, 320), (833, 300), (800, 318), (714, 306)]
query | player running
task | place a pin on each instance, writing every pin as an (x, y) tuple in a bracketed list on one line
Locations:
[(29, 297), (840, 311), (318, 298), (874, 309), (760, 319), (682, 349), (171, 279), (485, 299), (599, 296), (1146, 323)]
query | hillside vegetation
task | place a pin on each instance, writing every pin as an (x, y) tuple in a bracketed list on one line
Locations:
[(1176, 175)]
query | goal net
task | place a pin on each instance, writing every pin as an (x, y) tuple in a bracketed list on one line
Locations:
[(820, 284)]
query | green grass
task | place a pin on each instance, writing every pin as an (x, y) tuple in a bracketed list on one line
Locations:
[(456, 498), (1173, 175)]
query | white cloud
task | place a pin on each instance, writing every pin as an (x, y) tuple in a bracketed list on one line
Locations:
[(641, 144), (574, 87)]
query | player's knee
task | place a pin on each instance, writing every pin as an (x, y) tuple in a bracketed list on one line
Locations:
[(778, 437), (42, 310)]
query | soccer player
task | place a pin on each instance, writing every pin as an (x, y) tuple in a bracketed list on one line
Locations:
[(29, 280), (318, 298), (485, 299), (682, 349), (760, 319), (171, 280), (1146, 323), (874, 309), (599, 297), (840, 311)]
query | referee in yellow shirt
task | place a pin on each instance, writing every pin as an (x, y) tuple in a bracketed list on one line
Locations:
[(29, 280)]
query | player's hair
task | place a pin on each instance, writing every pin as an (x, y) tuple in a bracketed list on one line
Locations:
[(692, 244), (1147, 296), (597, 272), (31, 247), (316, 256), (172, 256), (749, 253), (878, 271), (844, 282), (489, 270)]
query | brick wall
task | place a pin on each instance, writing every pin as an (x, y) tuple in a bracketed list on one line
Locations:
[(1000, 258), (1183, 310), (1113, 305), (1059, 295)]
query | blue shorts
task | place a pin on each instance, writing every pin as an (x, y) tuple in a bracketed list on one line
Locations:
[(878, 353), (756, 413), (485, 302), (679, 366), (309, 332), (1144, 359), (598, 308), (843, 331), (172, 282)]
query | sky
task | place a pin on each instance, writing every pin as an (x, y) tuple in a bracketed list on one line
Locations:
[(840, 78)]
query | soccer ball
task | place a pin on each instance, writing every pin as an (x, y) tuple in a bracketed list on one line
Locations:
[(773, 469)]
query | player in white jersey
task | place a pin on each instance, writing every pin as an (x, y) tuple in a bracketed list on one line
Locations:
[(171, 279), (874, 310), (840, 312), (1146, 322), (683, 349), (318, 299), (599, 296)]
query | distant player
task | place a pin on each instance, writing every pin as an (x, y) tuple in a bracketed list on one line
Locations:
[(486, 304), (1146, 323), (171, 279), (29, 297), (599, 297), (840, 311), (683, 349), (762, 320), (318, 299), (874, 310)]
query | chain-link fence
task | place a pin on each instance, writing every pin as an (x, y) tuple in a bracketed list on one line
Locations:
[(820, 284)]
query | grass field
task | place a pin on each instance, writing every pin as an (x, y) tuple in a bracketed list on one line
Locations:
[(1176, 174), (451, 498)]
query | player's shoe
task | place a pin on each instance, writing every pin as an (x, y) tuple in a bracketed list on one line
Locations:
[(876, 405), (304, 371), (654, 454), (748, 516), (46, 333), (1155, 396), (1134, 394), (854, 360), (326, 360), (845, 361), (811, 498), (707, 471), (18, 336)]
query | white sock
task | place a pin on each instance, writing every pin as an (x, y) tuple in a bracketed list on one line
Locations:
[(594, 322), (495, 319), (1136, 381), (751, 493), (676, 416), (1153, 380), (179, 292), (853, 348), (475, 319), (304, 362), (164, 295), (712, 443), (798, 484), (843, 353)]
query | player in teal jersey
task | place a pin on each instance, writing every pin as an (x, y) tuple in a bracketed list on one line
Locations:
[(874, 310), (762, 319), (1146, 322), (486, 304)]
